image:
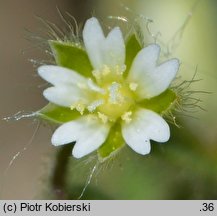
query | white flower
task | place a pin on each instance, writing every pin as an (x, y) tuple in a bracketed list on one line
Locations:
[(108, 96)]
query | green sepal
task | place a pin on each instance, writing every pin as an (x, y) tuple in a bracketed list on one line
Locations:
[(113, 143), (71, 56), (160, 103), (58, 114), (132, 48)]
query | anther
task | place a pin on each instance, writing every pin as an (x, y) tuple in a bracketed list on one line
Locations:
[(114, 93), (127, 117), (92, 107), (103, 117), (133, 86)]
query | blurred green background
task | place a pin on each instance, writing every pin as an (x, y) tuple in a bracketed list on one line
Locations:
[(183, 168)]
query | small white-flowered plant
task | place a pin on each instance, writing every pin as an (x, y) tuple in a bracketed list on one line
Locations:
[(106, 105)]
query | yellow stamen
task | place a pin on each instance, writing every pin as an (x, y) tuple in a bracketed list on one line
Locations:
[(105, 70), (127, 117), (103, 117), (133, 86), (79, 106)]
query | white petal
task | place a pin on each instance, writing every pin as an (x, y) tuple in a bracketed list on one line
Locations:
[(138, 143), (65, 95), (147, 57), (146, 125), (88, 132), (114, 49), (93, 39), (152, 79), (57, 75), (109, 51)]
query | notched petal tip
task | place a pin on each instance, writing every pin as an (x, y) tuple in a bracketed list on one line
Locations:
[(92, 20), (50, 73), (174, 64), (77, 153), (163, 134), (146, 125), (54, 141), (152, 52), (168, 70), (43, 70), (49, 93), (87, 131), (92, 25), (153, 78), (116, 31), (57, 139), (155, 47), (63, 95), (143, 149), (47, 68), (93, 37), (101, 50)]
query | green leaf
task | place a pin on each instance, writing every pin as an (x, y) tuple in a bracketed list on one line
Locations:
[(132, 48), (58, 114), (71, 56), (160, 103), (113, 143)]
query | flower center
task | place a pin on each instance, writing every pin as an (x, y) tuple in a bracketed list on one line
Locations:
[(116, 100), (113, 98)]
